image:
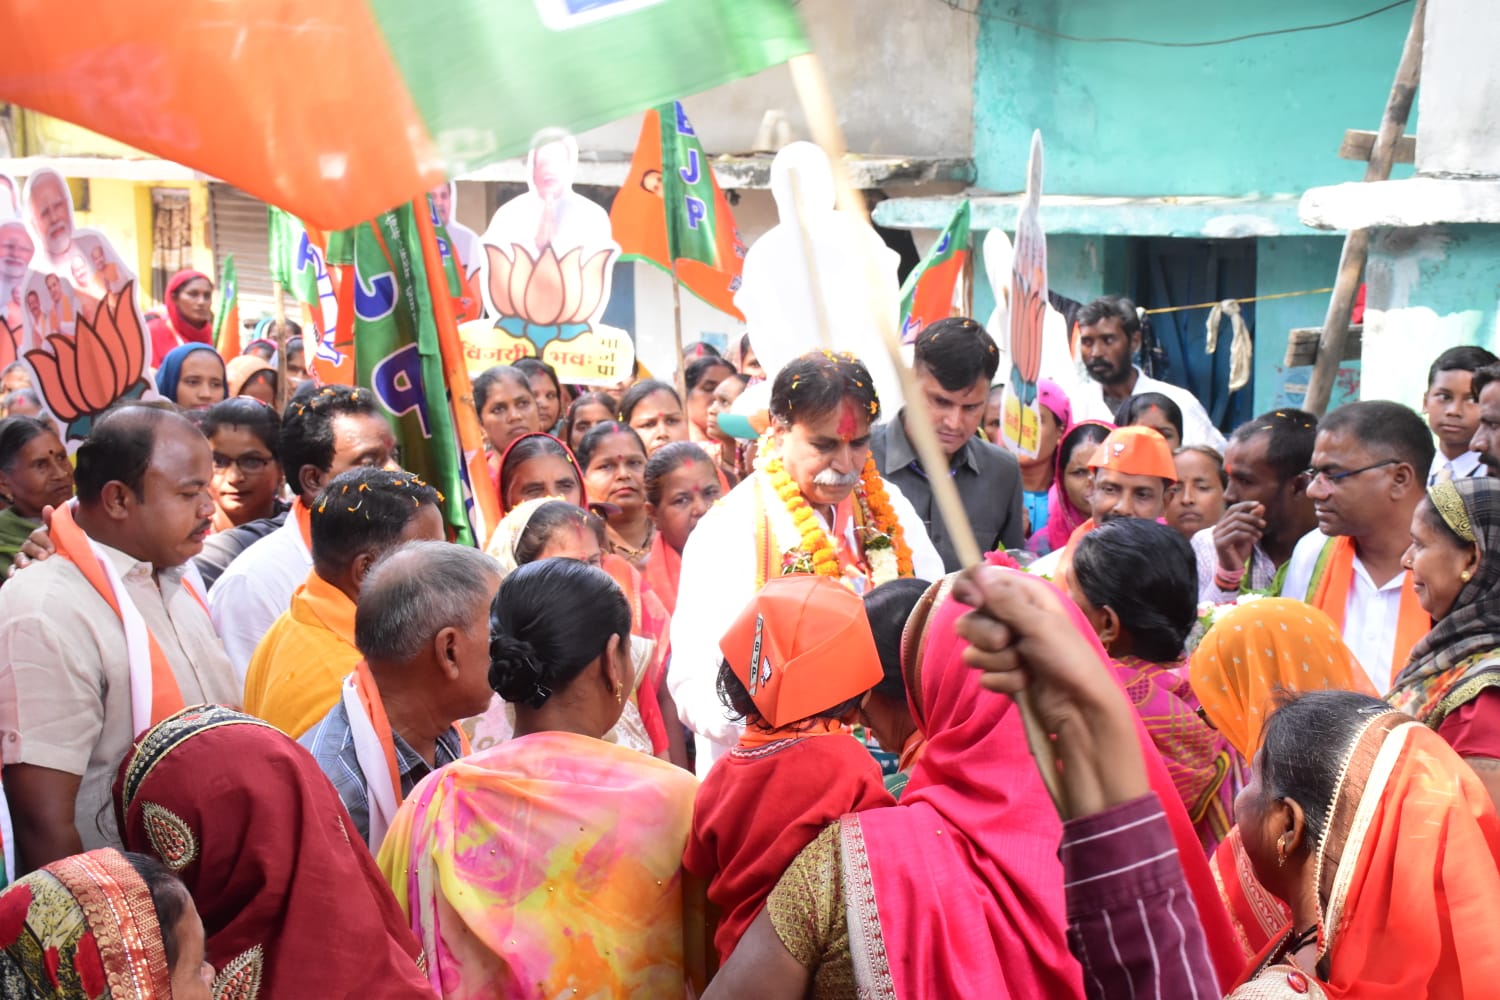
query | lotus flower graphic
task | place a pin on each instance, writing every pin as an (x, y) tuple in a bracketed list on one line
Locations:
[(548, 298), (101, 364)]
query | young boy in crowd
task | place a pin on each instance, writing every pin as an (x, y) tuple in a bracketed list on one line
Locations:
[(1452, 411), (797, 663)]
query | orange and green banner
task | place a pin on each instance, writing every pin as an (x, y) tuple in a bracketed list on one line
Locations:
[(337, 111), (670, 211), (408, 353), (927, 295), (227, 316)]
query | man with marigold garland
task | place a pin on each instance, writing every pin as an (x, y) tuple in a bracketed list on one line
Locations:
[(815, 504), (955, 361)]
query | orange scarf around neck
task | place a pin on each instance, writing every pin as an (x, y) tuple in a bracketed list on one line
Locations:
[(1331, 596), (72, 544)]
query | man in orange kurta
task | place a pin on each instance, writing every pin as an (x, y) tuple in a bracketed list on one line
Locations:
[(295, 674)]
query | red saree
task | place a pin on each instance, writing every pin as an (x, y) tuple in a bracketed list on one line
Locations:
[(293, 906)]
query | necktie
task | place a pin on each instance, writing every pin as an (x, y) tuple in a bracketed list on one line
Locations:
[(1445, 474)]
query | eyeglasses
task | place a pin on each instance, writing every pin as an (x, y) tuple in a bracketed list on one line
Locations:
[(1334, 478), (250, 465)]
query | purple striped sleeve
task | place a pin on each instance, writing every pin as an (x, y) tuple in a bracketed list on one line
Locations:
[(1131, 920)]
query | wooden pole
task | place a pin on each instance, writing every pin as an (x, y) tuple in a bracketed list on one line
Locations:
[(817, 104), (1357, 242), (278, 312)]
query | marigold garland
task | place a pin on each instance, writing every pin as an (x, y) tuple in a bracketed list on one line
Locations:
[(880, 517)]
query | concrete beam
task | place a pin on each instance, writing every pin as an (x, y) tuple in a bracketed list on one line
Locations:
[(1416, 201), (1190, 216), (752, 171)]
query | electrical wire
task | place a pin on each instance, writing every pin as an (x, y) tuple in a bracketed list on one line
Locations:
[(962, 7)]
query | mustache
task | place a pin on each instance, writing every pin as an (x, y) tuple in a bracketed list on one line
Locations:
[(836, 479)]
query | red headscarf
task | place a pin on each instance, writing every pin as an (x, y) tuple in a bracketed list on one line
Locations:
[(1062, 517), (290, 897), (176, 329)]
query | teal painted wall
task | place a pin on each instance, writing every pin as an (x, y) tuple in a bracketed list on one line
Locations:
[(1080, 267), (1293, 264), (1262, 116), (1430, 289)]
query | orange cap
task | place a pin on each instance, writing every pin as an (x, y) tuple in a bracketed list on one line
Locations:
[(810, 645), (1136, 451)]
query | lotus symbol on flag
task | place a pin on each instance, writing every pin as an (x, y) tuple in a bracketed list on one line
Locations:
[(83, 375), (546, 298)]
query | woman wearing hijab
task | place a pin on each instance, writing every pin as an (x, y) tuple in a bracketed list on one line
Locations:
[(102, 925), (1252, 652), (1068, 497), (193, 376), (1452, 681), (1339, 821), (189, 318), (292, 903), (552, 863)]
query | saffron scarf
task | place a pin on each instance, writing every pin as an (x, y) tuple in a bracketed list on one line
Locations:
[(649, 623), (1330, 594), (154, 693), (663, 571), (1460, 657), (1253, 651), (1259, 648), (82, 928), (293, 906), (1408, 871), (548, 864), (375, 749)]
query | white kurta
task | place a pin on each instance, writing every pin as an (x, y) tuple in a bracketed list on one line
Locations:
[(719, 567), (1089, 404)]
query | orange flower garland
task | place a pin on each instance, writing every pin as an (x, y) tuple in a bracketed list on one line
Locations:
[(878, 515)]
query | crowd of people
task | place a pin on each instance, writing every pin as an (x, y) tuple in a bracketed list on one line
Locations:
[(718, 711)]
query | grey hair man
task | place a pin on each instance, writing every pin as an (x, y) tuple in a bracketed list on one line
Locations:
[(422, 625)]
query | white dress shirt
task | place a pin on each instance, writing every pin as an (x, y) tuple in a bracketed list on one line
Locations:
[(718, 581), (1370, 617), (1465, 466), (256, 589), (1089, 404)]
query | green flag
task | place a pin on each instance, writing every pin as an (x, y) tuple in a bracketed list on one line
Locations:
[(397, 354), (927, 294), (227, 317)]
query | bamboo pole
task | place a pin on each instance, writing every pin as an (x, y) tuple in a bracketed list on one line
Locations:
[(817, 104), (278, 312), (681, 377), (1357, 242)]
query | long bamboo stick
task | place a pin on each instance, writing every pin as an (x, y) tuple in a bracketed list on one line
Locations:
[(817, 104)]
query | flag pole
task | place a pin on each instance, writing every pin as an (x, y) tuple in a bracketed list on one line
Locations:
[(278, 312), (681, 377), (817, 105)]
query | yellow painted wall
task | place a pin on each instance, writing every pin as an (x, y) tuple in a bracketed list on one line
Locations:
[(122, 211)]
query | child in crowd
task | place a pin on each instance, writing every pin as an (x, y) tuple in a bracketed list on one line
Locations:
[(1452, 411), (798, 662)]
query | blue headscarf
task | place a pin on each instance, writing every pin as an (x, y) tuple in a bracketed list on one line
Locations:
[(170, 371)]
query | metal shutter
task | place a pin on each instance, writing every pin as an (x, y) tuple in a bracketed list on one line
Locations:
[(238, 226)]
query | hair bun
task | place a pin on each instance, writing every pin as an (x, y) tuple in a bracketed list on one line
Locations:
[(516, 671)]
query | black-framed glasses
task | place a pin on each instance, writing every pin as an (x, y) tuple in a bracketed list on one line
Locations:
[(250, 465), (1334, 478)]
